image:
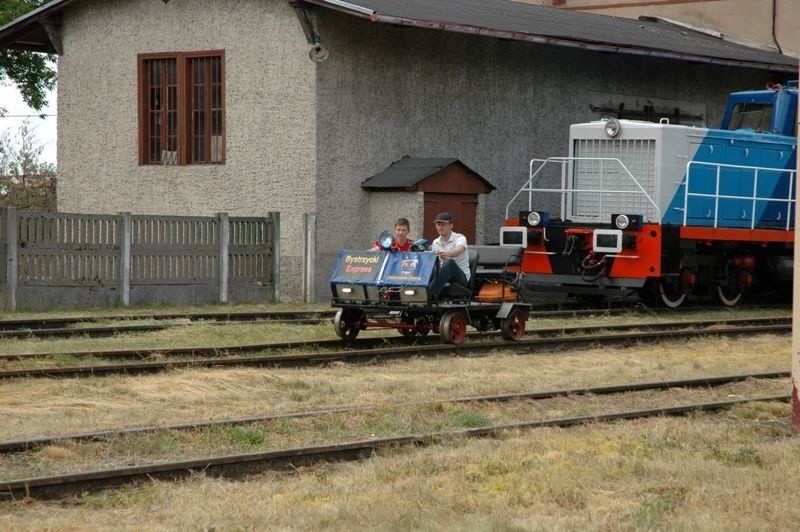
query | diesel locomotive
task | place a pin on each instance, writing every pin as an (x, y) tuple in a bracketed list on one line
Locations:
[(665, 210)]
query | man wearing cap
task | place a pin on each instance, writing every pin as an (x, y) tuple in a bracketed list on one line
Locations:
[(451, 250)]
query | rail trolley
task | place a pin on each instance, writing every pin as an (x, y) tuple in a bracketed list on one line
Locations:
[(379, 289)]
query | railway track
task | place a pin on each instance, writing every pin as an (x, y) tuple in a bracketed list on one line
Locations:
[(548, 339), (15, 446), (74, 326), (240, 464), (88, 326)]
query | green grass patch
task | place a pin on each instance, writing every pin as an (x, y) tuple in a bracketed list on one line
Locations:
[(743, 456), (469, 419), (247, 436)]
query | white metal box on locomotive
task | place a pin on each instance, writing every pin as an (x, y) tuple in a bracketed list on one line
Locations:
[(663, 209)]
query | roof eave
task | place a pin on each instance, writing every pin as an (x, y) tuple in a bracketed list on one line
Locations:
[(584, 45), (358, 11), (30, 32)]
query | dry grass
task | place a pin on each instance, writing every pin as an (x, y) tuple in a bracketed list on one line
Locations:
[(45, 407), (702, 473), (732, 471), (360, 424)]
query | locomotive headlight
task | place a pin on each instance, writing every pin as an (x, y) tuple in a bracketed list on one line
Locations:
[(631, 222), (612, 127), (347, 290), (534, 218), (409, 292)]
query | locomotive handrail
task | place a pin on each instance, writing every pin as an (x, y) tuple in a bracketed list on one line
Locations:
[(564, 191), (753, 198)]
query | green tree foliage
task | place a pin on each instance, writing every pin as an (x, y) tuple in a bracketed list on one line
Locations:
[(31, 72), (26, 182)]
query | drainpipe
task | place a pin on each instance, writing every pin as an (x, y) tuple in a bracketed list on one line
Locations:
[(309, 257)]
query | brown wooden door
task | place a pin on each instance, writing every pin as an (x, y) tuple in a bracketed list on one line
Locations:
[(463, 207)]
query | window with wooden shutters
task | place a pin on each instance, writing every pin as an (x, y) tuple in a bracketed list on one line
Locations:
[(181, 108)]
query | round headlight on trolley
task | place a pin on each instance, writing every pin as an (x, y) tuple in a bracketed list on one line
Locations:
[(385, 240), (534, 219)]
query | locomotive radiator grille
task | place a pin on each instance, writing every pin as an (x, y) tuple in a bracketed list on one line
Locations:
[(620, 192)]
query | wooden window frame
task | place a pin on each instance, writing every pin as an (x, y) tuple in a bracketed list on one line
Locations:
[(184, 107)]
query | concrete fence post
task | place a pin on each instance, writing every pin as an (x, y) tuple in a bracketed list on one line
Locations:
[(309, 257), (276, 256), (11, 258), (125, 235), (224, 231)]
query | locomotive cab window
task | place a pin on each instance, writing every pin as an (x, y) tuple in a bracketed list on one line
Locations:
[(181, 108), (755, 116)]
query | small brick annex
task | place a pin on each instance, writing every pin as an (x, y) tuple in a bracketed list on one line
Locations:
[(447, 185)]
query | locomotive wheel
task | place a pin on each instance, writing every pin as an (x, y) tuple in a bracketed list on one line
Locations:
[(728, 296), (513, 326), (453, 327), (671, 293), (343, 324)]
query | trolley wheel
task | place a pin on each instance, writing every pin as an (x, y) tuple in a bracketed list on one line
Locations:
[(728, 296), (423, 325), (483, 324), (453, 327), (407, 320), (343, 324), (513, 326)]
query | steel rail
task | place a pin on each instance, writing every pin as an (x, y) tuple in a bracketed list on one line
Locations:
[(235, 466), (31, 324), (58, 323), (405, 351), (143, 353), (111, 330), (16, 446), (44, 323)]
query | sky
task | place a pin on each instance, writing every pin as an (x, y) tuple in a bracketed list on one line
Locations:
[(45, 129)]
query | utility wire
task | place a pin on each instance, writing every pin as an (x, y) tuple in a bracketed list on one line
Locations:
[(41, 115)]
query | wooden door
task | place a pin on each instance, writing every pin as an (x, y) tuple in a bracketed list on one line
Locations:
[(463, 207)]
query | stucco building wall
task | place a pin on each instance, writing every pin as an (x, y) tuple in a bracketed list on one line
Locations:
[(385, 92), (386, 207), (270, 114), (302, 136)]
